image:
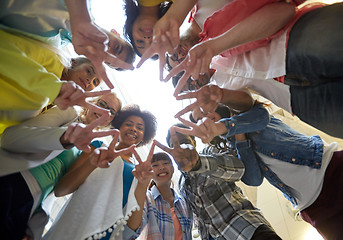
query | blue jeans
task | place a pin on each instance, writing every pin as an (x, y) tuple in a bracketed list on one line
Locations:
[(314, 68)]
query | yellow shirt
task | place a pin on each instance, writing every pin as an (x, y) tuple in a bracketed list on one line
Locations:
[(29, 74), (151, 3)]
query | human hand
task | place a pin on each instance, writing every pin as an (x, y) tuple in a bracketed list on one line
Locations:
[(207, 99), (206, 129), (185, 155), (165, 39), (81, 135), (90, 41), (191, 68), (72, 94), (143, 170), (103, 156)]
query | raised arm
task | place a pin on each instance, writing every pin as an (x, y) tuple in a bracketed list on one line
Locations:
[(143, 173), (86, 164), (261, 24)]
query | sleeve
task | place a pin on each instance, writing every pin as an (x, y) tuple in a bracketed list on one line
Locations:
[(128, 233), (252, 175), (28, 74), (253, 120), (222, 166), (41, 133)]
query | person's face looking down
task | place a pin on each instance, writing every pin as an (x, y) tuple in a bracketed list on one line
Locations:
[(163, 171), (109, 102), (142, 32), (85, 76), (117, 47), (132, 131)]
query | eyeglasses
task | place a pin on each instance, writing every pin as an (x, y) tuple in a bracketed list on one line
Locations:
[(103, 104)]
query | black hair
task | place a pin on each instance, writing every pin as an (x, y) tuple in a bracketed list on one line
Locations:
[(148, 118), (181, 125), (131, 12), (160, 156)]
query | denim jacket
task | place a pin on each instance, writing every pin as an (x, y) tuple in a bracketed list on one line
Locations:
[(273, 138)]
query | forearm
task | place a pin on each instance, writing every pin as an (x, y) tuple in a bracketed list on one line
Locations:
[(225, 167), (179, 10), (253, 120), (261, 24), (136, 218), (237, 100), (78, 11), (75, 176), (41, 133)]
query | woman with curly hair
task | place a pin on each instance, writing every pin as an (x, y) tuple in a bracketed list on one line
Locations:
[(104, 197), (141, 16)]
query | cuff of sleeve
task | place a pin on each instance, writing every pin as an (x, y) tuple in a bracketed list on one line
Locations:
[(230, 125), (243, 144), (128, 233)]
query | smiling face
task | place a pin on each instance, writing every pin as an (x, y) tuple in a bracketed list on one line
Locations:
[(118, 47), (142, 32), (84, 75), (163, 171), (131, 131), (109, 102)]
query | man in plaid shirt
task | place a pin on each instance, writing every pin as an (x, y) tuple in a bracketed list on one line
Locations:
[(208, 183)]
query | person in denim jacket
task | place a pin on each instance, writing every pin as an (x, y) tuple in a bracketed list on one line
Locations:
[(304, 168)]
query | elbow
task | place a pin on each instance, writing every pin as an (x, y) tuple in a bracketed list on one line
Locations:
[(62, 192), (255, 182)]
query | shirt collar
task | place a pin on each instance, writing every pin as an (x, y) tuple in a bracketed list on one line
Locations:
[(156, 193)]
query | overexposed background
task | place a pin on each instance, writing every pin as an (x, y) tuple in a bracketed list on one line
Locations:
[(143, 87)]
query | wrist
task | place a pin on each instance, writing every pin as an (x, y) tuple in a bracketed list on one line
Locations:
[(197, 165), (222, 95)]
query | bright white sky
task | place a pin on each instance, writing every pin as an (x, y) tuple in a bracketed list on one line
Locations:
[(141, 86)]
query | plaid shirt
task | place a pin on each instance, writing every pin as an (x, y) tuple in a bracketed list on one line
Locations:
[(157, 222), (223, 212)]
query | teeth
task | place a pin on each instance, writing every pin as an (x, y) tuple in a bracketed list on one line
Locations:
[(132, 136), (162, 174)]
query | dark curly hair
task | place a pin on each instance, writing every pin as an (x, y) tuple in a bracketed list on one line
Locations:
[(148, 118), (131, 12)]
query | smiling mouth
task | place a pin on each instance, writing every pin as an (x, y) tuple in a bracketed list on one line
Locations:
[(162, 174), (131, 136)]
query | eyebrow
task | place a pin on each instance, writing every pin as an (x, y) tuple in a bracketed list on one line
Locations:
[(93, 70), (120, 49)]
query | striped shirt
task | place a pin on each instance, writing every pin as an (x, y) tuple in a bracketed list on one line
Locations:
[(157, 222), (223, 212)]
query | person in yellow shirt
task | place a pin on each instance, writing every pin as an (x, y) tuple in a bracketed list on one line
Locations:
[(141, 16), (30, 79)]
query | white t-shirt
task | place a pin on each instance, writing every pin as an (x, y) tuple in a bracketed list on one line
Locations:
[(306, 182)]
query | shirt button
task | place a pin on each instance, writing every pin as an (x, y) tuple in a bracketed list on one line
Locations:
[(281, 185), (272, 154), (266, 168), (293, 159), (317, 163), (232, 125)]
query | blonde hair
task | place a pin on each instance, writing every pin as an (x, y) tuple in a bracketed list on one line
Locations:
[(84, 111)]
